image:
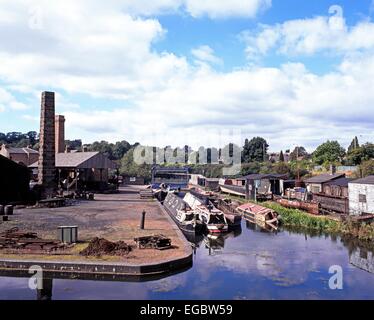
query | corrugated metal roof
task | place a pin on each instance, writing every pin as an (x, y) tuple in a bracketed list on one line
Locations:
[(323, 178), (341, 182), (366, 180), (82, 160)]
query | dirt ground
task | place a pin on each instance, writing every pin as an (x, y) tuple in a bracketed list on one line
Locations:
[(113, 217)]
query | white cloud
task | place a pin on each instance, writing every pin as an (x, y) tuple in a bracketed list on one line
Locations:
[(206, 54), (310, 36), (226, 8), (286, 105), (7, 100), (160, 98)]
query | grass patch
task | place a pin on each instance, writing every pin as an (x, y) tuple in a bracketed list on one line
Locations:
[(295, 217), (302, 219)]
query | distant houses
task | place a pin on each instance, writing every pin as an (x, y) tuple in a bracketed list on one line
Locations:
[(23, 156)]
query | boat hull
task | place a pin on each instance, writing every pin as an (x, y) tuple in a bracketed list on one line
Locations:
[(190, 228)]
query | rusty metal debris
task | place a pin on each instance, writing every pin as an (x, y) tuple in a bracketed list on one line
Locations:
[(19, 241), (159, 242), (100, 246)]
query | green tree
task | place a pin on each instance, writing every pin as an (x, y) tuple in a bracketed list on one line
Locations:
[(281, 168), (281, 156), (360, 154), (298, 152), (330, 151), (251, 167), (367, 168), (74, 144), (103, 147), (120, 149), (255, 150), (354, 145), (130, 168)]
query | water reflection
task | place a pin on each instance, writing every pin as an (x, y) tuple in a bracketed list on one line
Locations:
[(216, 242), (46, 292), (247, 263), (363, 259)]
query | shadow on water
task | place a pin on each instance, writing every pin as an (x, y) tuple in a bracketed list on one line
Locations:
[(250, 262), (47, 280)]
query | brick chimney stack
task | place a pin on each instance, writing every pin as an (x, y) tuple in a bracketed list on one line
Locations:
[(47, 156), (60, 134)]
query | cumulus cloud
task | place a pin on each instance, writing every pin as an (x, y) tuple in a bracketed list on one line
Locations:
[(8, 100), (310, 36), (277, 103), (206, 54), (222, 9), (99, 50)]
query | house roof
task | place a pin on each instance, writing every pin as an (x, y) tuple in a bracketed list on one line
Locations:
[(323, 178), (82, 160), (21, 150), (340, 182), (366, 180), (257, 176)]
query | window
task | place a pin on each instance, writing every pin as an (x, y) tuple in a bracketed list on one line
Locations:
[(132, 179), (362, 198)]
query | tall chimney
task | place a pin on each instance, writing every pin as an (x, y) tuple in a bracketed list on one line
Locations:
[(46, 166), (60, 133)]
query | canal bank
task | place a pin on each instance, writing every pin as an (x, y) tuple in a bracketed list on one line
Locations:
[(295, 218), (114, 217), (300, 219)]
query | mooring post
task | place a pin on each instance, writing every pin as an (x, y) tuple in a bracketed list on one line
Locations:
[(142, 220)]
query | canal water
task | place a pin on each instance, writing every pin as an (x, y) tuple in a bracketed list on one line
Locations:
[(250, 263)]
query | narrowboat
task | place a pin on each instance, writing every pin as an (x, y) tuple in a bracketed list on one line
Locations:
[(259, 214), (213, 218), (182, 214)]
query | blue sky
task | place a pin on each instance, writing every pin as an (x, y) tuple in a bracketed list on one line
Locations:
[(175, 72)]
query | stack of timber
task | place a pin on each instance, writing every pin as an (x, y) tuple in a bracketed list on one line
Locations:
[(146, 194), (258, 214)]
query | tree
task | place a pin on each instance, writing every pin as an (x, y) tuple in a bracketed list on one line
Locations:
[(367, 168), (255, 150), (281, 168), (120, 149), (281, 156), (32, 136), (103, 147), (298, 152), (74, 144), (330, 151), (353, 146), (130, 168), (360, 154), (249, 168)]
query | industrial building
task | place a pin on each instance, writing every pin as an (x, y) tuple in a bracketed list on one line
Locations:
[(14, 182)]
